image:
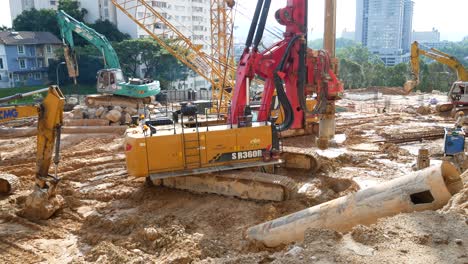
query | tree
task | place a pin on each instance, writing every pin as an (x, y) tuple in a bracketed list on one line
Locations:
[(109, 30), (45, 19), (129, 57), (157, 62), (89, 61), (37, 20), (396, 75), (72, 7), (340, 43), (352, 73)]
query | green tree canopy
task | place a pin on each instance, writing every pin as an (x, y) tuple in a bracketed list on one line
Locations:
[(72, 7), (37, 20), (109, 30), (159, 64)]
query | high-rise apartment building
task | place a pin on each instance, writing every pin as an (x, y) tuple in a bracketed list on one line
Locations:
[(97, 9), (384, 26), (18, 6)]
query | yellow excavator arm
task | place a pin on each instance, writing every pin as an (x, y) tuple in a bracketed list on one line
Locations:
[(50, 116), (437, 55)]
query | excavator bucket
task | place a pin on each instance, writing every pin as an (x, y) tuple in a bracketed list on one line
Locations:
[(42, 203), (409, 86)]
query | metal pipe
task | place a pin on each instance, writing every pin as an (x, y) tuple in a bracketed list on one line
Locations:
[(329, 35), (327, 120), (19, 96), (427, 189)]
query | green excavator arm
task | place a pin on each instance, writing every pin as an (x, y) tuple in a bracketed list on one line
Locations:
[(110, 79), (68, 25)]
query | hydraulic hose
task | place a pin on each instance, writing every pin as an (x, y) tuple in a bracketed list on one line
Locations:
[(282, 97), (261, 24), (253, 24)]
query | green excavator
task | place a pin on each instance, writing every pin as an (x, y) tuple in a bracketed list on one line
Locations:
[(111, 84)]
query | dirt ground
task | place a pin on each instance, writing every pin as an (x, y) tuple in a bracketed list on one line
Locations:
[(112, 218)]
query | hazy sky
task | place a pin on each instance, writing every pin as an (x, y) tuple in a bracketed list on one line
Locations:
[(449, 16)]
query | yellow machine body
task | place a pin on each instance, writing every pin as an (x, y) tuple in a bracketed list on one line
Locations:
[(310, 119), (192, 152)]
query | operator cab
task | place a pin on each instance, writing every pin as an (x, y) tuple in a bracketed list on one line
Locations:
[(459, 93), (108, 80)]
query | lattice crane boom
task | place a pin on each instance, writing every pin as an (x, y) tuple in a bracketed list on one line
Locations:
[(211, 68)]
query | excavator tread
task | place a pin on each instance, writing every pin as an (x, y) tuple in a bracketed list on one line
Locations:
[(247, 185), (289, 185)]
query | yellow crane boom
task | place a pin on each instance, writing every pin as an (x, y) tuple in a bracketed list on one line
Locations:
[(437, 55), (216, 69)]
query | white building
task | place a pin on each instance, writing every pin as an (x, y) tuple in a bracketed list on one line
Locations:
[(426, 36), (191, 18), (18, 6), (99, 10)]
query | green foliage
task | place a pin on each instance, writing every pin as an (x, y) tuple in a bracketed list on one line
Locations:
[(45, 19), (109, 30), (340, 43), (315, 44), (159, 64), (89, 60), (66, 89), (72, 7), (458, 50), (361, 68), (37, 20)]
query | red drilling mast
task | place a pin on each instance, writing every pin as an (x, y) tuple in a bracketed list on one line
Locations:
[(289, 67)]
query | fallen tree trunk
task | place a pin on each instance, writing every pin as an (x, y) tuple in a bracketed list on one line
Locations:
[(428, 189), (6, 133)]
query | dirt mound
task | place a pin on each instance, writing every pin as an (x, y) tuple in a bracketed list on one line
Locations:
[(459, 202), (426, 237), (393, 151)]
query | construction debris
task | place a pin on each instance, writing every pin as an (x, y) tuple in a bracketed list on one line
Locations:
[(423, 159), (8, 183)]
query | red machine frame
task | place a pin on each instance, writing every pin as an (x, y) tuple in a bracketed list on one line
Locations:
[(288, 66)]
